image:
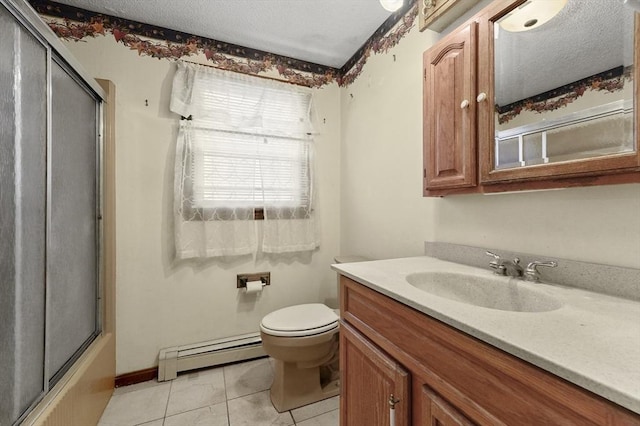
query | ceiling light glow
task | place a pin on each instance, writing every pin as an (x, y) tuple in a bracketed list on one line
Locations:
[(391, 5), (532, 14)]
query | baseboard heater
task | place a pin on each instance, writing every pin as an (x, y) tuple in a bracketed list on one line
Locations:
[(208, 354)]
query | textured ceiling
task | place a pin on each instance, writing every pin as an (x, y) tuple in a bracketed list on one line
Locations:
[(326, 32), (587, 37)]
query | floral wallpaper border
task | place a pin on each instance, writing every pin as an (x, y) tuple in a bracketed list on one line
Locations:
[(71, 23), (388, 34), (611, 81), (377, 45)]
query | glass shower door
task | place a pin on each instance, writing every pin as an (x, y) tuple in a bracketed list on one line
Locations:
[(71, 248), (49, 257), (23, 135)]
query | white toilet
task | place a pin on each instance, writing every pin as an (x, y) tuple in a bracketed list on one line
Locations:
[(303, 341)]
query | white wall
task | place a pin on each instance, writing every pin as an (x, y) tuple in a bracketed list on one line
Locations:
[(369, 164), (383, 211), (161, 303)]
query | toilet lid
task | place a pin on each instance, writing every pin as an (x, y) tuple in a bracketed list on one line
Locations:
[(300, 320)]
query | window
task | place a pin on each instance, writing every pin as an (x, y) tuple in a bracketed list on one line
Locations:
[(251, 143), (245, 154)]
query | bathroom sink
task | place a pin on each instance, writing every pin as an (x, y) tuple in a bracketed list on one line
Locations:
[(486, 291)]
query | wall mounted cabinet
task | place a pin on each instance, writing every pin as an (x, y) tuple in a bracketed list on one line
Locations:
[(507, 110), (436, 15), (449, 85)]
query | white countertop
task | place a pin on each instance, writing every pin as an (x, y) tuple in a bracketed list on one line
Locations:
[(593, 340)]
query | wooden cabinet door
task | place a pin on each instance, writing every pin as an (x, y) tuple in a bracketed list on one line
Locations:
[(449, 108), (437, 412), (369, 378)]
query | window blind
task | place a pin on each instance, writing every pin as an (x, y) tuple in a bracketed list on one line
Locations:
[(245, 170), (251, 142)]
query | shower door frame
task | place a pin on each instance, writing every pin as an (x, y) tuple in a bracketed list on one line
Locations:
[(80, 393)]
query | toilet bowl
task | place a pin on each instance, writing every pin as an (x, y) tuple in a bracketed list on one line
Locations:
[(303, 341)]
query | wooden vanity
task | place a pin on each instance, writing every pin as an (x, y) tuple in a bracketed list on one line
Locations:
[(433, 374)]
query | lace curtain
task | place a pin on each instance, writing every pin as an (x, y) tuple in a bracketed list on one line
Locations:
[(246, 147)]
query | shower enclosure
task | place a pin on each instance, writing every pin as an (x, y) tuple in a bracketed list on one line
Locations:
[(50, 211)]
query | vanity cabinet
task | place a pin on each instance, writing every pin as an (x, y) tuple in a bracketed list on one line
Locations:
[(501, 115), (448, 377)]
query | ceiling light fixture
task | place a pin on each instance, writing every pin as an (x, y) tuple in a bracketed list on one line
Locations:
[(391, 5), (633, 4), (532, 14)]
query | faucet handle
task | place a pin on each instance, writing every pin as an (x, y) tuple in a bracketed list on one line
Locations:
[(496, 259), (492, 254), (496, 263), (532, 274)]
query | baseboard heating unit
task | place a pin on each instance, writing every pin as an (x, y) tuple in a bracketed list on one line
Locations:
[(208, 354)]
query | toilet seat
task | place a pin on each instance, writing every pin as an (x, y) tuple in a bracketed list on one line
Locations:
[(300, 320)]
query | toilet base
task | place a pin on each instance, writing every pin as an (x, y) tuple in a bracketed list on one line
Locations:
[(294, 387)]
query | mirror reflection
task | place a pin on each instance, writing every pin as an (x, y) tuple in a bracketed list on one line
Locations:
[(563, 81)]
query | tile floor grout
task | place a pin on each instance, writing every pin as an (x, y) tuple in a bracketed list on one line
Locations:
[(194, 409), (166, 406), (226, 398), (192, 398), (227, 405)]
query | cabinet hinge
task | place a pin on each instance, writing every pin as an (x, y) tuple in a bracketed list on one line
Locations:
[(424, 173), (424, 74)]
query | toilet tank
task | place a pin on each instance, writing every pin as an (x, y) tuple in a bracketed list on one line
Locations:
[(349, 258)]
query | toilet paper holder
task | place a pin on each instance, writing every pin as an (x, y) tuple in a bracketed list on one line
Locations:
[(242, 279)]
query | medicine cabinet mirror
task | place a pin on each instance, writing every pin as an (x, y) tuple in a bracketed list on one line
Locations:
[(561, 85)]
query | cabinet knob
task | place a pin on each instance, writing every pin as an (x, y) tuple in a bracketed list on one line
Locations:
[(428, 4), (393, 401), (464, 104), (481, 97)]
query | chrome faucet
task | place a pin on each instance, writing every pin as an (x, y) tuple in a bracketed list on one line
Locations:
[(532, 274), (509, 268)]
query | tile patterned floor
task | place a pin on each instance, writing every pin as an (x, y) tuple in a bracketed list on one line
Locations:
[(233, 395)]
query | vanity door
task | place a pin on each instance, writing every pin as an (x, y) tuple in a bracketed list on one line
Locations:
[(561, 84), (375, 388), (438, 412)]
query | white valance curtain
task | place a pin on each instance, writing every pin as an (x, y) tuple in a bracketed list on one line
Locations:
[(247, 146)]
